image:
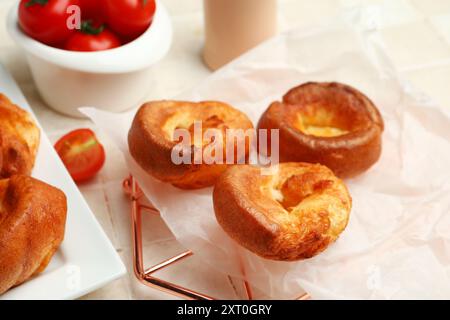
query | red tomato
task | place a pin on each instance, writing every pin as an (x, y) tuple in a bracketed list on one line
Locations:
[(81, 153), (90, 38), (92, 10), (129, 18), (46, 20)]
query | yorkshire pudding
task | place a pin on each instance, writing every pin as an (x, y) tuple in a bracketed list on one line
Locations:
[(292, 214), (32, 222), (152, 141), (328, 123), (19, 139)]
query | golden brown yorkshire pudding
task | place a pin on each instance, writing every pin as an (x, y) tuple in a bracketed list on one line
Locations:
[(292, 214), (19, 139), (151, 140), (328, 123), (32, 222)]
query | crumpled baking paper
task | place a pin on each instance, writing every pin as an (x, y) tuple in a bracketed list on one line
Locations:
[(397, 243)]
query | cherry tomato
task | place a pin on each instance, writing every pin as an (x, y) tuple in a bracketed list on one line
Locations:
[(90, 38), (46, 20), (129, 18), (81, 153), (92, 10)]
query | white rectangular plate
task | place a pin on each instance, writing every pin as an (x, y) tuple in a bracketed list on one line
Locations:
[(86, 260)]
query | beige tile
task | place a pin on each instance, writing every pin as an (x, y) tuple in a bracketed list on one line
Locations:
[(177, 7), (115, 168), (153, 227), (398, 12), (303, 13), (177, 76), (5, 39), (388, 12), (258, 294), (119, 207), (183, 67), (359, 3), (441, 23), (431, 7), (51, 121), (433, 81), (15, 62), (97, 199), (414, 44)]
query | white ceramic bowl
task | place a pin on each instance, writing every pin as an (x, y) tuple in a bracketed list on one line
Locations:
[(114, 80)]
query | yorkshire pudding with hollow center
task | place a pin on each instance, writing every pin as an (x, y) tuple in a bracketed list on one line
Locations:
[(152, 141), (32, 223), (19, 139), (328, 123), (292, 214)]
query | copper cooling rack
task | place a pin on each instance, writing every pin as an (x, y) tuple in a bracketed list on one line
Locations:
[(147, 275)]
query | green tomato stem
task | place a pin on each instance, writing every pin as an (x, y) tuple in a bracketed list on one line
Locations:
[(33, 2), (88, 28)]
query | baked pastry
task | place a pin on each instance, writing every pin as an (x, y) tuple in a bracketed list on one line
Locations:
[(292, 214), (152, 140), (32, 222), (19, 139), (328, 123)]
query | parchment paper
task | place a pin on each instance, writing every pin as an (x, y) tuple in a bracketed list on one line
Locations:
[(397, 244)]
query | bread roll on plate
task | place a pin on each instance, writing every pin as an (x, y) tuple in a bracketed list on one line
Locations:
[(19, 139), (32, 224)]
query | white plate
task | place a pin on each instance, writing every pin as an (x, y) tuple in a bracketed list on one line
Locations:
[(86, 260)]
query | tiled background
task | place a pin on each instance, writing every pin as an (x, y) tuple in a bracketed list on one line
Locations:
[(417, 38)]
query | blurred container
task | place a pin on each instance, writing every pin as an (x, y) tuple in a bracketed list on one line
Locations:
[(113, 80), (234, 26)]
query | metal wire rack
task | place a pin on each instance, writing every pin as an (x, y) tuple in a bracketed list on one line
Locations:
[(147, 275)]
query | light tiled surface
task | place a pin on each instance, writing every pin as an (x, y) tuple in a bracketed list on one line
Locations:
[(417, 37)]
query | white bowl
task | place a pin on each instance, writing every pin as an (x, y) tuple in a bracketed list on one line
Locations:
[(113, 80)]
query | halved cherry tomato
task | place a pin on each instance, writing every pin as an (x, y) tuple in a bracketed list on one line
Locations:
[(90, 38), (46, 20), (129, 18), (81, 153)]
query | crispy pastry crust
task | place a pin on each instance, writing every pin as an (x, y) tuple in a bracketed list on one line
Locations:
[(151, 140), (292, 214), (32, 223), (335, 106), (19, 140)]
